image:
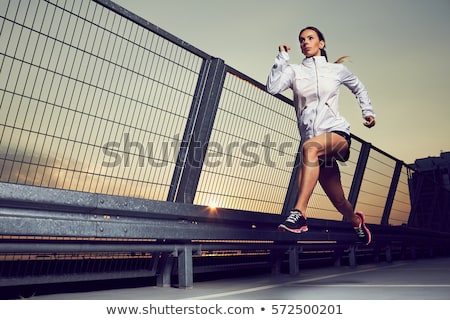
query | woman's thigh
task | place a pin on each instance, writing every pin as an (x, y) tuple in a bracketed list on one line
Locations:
[(327, 146)]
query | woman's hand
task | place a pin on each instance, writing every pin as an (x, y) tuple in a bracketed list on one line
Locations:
[(284, 47), (370, 121)]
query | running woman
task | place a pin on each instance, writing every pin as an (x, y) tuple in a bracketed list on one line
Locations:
[(324, 133)]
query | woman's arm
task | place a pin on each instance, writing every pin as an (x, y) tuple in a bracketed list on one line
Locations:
[(359, 90), (281, 74)]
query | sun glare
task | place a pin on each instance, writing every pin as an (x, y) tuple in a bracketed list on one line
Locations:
[(212, 205)]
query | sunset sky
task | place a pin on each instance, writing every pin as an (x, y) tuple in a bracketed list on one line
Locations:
[(399, 49)]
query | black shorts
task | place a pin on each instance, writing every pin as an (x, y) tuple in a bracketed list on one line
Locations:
[(340, 156)]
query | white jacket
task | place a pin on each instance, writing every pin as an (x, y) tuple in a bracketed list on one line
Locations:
[(315, 84)]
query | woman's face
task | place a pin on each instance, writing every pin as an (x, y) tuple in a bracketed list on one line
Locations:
[(310, 43)]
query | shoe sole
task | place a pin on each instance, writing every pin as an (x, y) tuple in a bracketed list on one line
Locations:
[(369, 234), (282, 227)]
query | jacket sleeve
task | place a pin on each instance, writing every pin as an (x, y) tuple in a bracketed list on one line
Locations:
[(281, 75), (358, 89)]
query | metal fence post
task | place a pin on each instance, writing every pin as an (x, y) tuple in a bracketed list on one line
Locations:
[(292, 191), (391, 194), (185, 267), (195, 141), (359, 173), (293, 253)]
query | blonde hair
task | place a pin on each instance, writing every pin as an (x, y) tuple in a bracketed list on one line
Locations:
[(342, 59)]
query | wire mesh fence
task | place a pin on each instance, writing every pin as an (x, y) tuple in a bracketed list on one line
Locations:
[(90, 101), (94, 100)]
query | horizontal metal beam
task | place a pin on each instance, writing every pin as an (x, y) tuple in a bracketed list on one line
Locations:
[(61, 278), (151, 27), (60, 247)]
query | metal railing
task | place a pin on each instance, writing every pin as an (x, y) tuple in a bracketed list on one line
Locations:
[(96, 99)]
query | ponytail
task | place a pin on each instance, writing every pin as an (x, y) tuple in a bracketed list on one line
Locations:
[(342, 59), (323, 52)]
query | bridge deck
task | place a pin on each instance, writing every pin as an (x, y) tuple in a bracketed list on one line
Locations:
[(424, 279)]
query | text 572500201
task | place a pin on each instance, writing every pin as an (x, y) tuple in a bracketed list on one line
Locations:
[(306, 309)]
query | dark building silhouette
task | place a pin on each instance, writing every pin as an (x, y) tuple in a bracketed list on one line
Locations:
[(430, 193)]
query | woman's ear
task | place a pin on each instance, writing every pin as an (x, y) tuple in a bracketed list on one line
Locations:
[(322, 44)]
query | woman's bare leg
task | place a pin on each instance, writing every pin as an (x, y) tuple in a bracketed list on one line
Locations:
[(330, 180), (327, 144)]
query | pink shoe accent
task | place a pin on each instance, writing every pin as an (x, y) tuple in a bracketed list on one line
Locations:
[(363, 226)]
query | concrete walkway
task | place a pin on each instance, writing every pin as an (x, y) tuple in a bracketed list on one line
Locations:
[(424, 279)]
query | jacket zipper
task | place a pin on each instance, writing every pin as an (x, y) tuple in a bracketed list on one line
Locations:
[(318, 98)]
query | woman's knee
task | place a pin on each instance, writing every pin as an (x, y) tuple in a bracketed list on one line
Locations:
[(311, 151)]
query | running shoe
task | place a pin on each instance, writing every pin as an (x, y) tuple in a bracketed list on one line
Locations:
[(362, 232), (296, 222)]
